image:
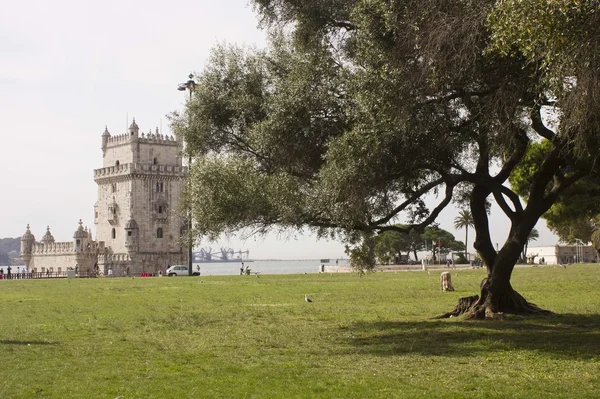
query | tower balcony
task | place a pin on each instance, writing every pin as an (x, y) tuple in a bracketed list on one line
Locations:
[(113, 219), (161, 217)]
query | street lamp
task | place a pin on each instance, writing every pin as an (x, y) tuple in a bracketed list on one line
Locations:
[(190, 85), (579, 250)]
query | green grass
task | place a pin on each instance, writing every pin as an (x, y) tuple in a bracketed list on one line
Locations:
[(249, 337)]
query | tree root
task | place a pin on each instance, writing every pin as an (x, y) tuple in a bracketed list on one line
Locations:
[(493, 306)]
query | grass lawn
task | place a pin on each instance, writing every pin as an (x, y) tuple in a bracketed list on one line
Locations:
[(249, 337)]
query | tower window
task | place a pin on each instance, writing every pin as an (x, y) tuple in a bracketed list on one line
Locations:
[(159, 187), (155, 161), (117, 163), (114, 187), (129, 233), (114, 233), (159, 233), (160, 209)]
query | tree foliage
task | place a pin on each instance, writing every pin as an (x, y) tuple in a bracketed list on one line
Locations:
[(359, 109), (576, 213), (390, 245)]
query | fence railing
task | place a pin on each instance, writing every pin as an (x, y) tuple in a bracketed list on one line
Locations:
[(32, 275), (63, 274)]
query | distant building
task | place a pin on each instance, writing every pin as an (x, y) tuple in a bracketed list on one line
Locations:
[(137, 226), (563, 254)]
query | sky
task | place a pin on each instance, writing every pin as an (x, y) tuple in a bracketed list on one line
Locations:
[(69, 68)]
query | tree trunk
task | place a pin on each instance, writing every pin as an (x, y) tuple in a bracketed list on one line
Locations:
[(497, 296), (493, 305), (524, 254)]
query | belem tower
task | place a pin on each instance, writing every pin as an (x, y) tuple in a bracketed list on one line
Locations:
[(137, 225)]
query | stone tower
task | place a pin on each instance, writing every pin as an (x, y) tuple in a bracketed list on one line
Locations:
[(27, 241), (139, 186)]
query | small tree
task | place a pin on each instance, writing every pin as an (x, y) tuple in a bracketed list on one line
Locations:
[(533, 236)]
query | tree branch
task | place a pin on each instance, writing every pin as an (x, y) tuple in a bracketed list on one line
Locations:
[(522, 142), (538, 125), (417, 194)]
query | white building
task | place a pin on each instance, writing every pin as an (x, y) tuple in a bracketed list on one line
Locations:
[(563, 254)]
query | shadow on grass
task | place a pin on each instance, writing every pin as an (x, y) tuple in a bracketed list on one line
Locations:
[(13, 342), (567, 336)]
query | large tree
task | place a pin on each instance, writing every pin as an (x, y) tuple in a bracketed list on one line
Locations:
[(360, 109)]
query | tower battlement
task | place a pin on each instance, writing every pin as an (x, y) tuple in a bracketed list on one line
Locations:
[(140, 169), (143, 148), (67, 247), (149, 138)]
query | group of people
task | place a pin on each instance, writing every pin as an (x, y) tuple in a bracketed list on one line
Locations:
[(23, 273), (244, 270)]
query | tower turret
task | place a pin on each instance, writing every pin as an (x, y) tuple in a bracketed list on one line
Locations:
[(27, 241), (47, 238), (105, 137), (131, 239), (133, 129), (80, 237)]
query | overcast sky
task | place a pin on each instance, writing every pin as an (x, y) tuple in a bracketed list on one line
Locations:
[(68, 68)]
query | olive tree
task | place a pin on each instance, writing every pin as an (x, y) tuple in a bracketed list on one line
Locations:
[(358, 110)]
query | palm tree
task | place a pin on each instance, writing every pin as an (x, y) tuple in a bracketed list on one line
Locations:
[(463, 221), (533, 236)]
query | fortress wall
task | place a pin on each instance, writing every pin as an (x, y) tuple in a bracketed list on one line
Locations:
[(123, 265), (55, 262), (127, 148), (55, 248), (104, 219), (118, 149), (166, 153), (149, 219)]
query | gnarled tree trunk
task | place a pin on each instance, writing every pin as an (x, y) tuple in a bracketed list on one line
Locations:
[(493, 304), (497, 296)]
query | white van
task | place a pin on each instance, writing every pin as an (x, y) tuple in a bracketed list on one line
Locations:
[(182, 270)]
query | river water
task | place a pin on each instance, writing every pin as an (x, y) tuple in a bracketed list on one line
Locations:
[(264, 267)]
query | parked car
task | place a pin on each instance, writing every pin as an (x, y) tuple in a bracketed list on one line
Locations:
[(182, 270)]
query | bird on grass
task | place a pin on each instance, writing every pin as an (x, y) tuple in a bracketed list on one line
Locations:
[(307, 299)]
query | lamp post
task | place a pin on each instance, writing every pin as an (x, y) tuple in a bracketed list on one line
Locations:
[(190, 85), (578, 250)]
